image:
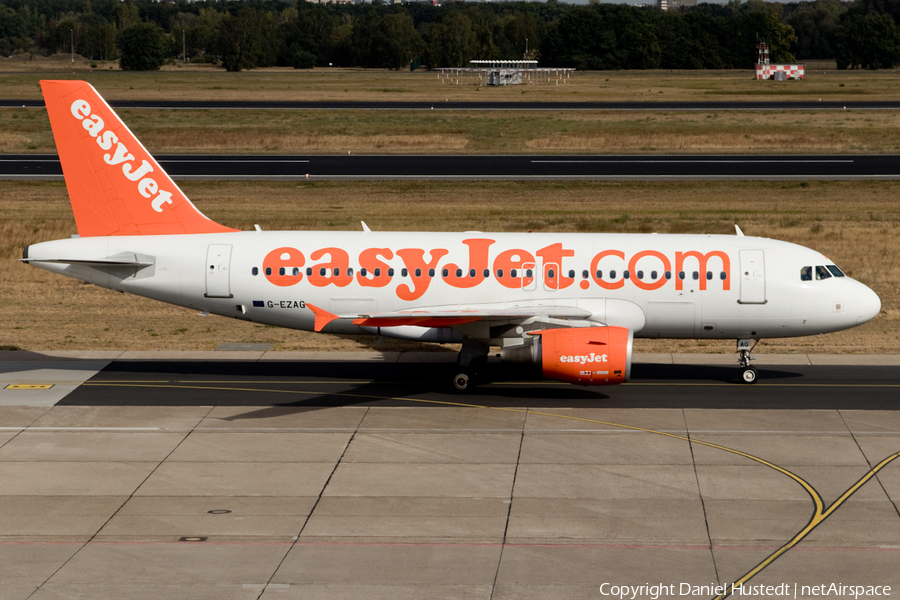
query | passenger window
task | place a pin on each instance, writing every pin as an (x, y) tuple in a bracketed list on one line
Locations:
[(296, 271), (612, 274), (418, 272), (585, 274), (377, 272), (445, 273), (723, 275), (391, 272), (403, 272), (835, 271), (640, 274), (681, 275), (322, 272), (499, 273), (550, 273), (350, 271), (529, 273), (653, 275), (708, 275), (268, 270), (487, 273), (599, 274), (255, 271), (471, 272), (308, 271), (668, 274), (363, 272), (695, 275), (281, 271), (337, 272), (512, 273), (571, 274), (822, 273), (459, 272), (431, 272)]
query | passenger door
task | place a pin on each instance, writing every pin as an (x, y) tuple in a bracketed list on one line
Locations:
[(753, 277), (218, 264)]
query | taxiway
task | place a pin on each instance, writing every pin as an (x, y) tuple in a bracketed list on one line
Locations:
[(278, 475), (494, 167)]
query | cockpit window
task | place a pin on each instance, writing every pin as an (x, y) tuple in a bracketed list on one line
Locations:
[(822, 273), (835, 271), (805, 273)]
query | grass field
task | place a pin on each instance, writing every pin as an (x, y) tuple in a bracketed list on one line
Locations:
[(856, 224), (19, 79), (481, 132), (469, 132)]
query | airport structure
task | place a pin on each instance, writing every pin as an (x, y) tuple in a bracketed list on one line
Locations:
[(667, 4), (503, 72), (782, 72)]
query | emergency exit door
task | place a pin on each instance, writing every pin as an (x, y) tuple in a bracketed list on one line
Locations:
[(218, 264), (753, 277)]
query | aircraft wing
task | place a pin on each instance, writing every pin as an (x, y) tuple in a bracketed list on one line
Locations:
[(447, 318), (451, 317)]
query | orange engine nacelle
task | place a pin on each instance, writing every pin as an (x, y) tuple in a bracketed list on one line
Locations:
[(585, 355)]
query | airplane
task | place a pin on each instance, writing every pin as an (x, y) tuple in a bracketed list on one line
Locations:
[(569, 303)]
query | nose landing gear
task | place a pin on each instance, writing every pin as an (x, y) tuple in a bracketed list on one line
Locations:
[(748, 373)]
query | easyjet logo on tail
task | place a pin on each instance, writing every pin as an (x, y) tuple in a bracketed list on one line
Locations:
[(118, 154)]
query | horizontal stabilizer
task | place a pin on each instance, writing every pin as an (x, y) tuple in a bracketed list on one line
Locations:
[(125, 259)]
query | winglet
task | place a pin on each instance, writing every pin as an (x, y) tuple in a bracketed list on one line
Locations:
[(115, 186), (738, 231), (323, 317), (365, 227)]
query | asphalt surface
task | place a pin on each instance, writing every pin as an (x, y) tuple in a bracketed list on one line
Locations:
[(347, 383), (494, 167), (343, 476), (504, 106)]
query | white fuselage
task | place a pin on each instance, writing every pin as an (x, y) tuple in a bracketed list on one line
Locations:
[(669, 286)]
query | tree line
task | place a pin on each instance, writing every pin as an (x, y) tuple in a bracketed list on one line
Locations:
[(144, 34)]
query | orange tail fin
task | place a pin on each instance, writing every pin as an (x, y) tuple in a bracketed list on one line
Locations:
[(115, 186)]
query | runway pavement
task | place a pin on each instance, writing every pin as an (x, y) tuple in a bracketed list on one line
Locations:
[(289, 475), (494, 167), (438, 104)]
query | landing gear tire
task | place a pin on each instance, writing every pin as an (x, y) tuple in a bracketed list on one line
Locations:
[(745, 347), (462, 382), (749, 375), (472, 359)]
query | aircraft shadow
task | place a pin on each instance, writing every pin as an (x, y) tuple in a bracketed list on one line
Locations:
[(303, 386)]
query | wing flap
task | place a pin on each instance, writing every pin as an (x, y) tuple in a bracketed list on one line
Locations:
[(452, 317)]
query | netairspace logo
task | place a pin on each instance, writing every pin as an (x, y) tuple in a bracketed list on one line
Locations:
[(784, 590)]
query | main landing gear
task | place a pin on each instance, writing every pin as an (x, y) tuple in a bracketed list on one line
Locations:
[(472, 358), (748, 373)]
